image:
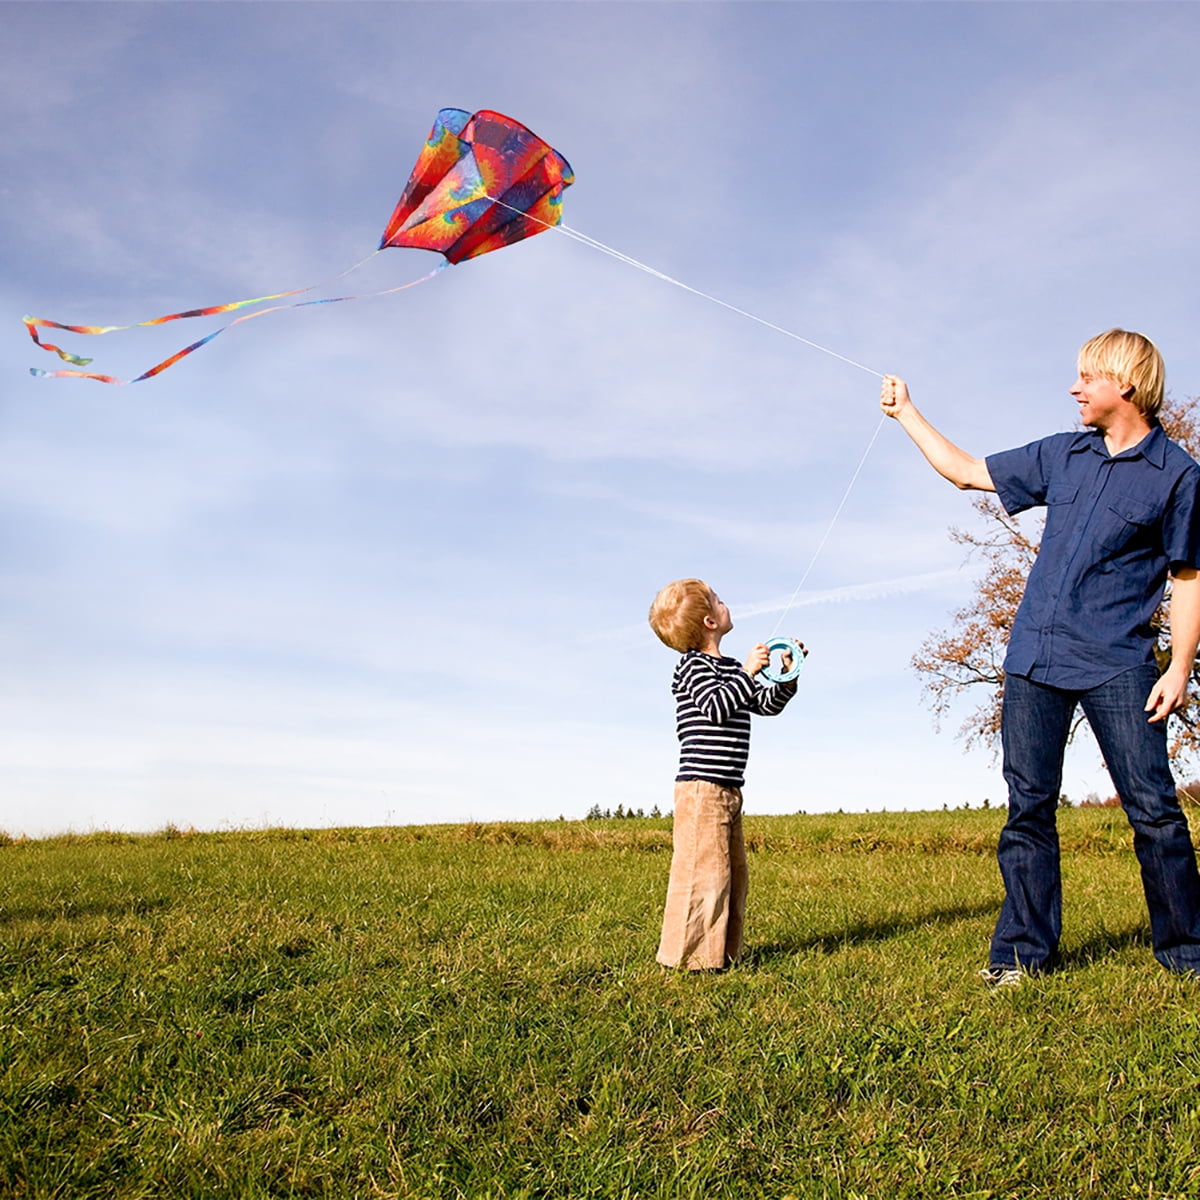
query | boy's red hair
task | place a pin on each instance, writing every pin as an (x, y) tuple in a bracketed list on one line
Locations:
[(678, 612)]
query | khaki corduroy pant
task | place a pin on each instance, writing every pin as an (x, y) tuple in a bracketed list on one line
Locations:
[(706, 895)]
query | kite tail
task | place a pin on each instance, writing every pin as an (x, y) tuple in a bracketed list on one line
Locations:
[(158, 368), (32, 324)]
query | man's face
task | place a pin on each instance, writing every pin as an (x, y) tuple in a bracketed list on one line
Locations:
[(1099, 398)]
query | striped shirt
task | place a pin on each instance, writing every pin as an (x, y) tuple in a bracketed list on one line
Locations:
[(715, 697)]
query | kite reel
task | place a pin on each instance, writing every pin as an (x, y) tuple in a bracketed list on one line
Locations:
[(778, 674)]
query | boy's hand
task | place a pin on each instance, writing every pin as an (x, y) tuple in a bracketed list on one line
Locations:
[(757, 659), (893, 396), (786, 655)]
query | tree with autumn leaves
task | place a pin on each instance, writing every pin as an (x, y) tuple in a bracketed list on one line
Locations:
[(968, 657)]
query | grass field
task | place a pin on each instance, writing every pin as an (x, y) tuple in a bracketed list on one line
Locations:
[(476, 1012)]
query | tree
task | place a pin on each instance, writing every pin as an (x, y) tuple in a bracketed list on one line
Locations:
[(969, 655)]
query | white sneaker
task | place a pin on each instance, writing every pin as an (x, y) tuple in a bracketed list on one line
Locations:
[(1002, 976)]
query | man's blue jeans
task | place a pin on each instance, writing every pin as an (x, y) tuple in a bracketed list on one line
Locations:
[(1035, 724)]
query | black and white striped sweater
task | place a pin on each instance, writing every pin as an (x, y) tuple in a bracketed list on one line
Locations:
[(715, 698)]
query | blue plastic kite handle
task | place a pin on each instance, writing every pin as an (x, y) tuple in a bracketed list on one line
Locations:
[(776, 675)]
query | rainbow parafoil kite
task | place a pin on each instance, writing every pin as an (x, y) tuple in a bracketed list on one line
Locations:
[(481, 182)]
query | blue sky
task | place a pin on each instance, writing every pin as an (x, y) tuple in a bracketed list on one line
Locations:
[(390, 561)]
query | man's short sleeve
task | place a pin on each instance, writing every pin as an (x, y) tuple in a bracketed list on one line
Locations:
[(1019, 476), (1181, 522)]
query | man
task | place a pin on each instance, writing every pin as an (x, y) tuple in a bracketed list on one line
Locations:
[(1123, 512)]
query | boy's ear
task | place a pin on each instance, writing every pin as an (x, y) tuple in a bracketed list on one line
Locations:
[(710, 622)]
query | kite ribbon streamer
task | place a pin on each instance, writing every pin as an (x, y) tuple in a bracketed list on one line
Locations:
[(32, 324), (167, 362)]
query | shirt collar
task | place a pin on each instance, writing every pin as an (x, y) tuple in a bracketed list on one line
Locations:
[(1153, 447)]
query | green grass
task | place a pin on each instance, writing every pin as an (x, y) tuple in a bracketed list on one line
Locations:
[(476, 1012)]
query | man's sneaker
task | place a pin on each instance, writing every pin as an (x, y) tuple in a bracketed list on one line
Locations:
[(1002, 976)]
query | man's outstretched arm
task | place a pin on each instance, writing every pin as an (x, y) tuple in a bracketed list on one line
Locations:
[(943, 455)]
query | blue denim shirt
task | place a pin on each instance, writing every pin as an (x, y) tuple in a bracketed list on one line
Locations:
[(1114, 526)]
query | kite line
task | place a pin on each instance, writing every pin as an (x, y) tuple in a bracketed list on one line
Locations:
[(633, 262), (837, 512), (576, 235), (612, 252)]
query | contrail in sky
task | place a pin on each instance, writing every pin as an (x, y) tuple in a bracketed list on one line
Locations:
[(875, 590)]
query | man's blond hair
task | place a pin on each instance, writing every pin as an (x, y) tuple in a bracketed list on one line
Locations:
[(678, 612), (1130, 360)]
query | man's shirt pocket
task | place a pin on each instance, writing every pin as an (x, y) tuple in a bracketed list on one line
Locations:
[(1127, 523)]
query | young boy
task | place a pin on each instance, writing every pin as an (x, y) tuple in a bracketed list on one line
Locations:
[(706, 894), (1122, 514)]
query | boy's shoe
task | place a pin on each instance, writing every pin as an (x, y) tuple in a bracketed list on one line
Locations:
[(1002, 976)]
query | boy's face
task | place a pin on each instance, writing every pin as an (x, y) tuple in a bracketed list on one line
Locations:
[(720, 615), (1100, 399)]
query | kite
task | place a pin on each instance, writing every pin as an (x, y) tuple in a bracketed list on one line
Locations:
[(481, 182)]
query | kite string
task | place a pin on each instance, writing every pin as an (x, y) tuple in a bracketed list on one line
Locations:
[(862, 462), (633, 262), (595, 244)]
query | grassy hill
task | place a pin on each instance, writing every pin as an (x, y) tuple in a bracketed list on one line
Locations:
[(475, 1011)]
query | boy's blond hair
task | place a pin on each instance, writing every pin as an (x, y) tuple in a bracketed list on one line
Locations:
[(1131, 360), (678, 612)]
